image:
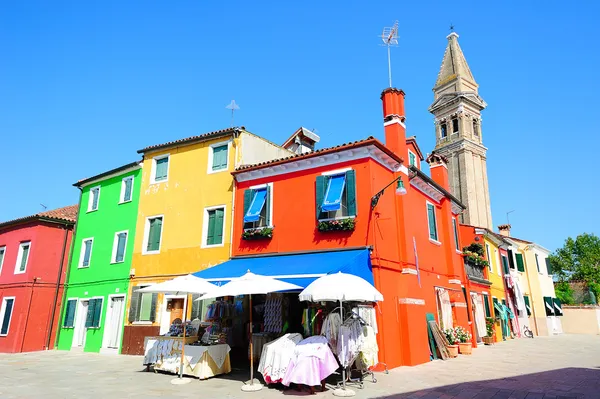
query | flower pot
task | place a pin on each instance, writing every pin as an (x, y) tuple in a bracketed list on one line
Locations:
[(465, 348), (488, 340), (453, 350)]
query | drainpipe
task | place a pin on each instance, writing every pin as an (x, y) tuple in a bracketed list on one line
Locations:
[(60, 270), (537, 331), (58, 329), (28, 312)]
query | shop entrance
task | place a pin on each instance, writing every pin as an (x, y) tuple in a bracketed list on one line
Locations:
[(175, 309)]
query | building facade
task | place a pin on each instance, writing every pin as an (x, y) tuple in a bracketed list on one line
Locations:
[(93, 313), (33, 264), (184, 219)]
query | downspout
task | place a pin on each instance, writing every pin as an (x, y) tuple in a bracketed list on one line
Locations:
[(58, 329), (60, 271), (28, 313), (537, 331)]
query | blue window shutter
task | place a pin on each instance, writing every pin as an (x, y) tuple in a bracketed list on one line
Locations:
[(268, 206), (121, 239), (70, 313), (95, 197), (431, 220), (321, 186), (128, 187), (89, 317), (351, 192), (220, 157), (210, 236), (333, 193), (162, 166), (87, 252), (97, 313)]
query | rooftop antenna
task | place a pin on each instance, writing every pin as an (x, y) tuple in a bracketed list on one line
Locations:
[(451, 27), (44, 206), (507, 213), (390, 38), (233, 107)]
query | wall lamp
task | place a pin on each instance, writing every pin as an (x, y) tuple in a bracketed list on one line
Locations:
[(400, 190)]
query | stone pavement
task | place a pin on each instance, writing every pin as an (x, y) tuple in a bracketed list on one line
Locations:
[(541, 368)]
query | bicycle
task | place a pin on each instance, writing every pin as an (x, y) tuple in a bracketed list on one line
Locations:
[(527, 332)]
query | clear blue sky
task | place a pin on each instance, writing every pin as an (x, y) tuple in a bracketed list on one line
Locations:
[(85, 84)]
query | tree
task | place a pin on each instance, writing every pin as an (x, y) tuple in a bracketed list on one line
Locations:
[(578, 259)]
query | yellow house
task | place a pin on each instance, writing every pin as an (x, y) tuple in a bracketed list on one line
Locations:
[(184, 220)]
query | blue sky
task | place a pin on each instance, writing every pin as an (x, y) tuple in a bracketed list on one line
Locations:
[(83, 85)]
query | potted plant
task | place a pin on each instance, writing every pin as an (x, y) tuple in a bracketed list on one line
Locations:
[(337, 225), (464, 340), (257, 234), (490, 326), (452, 341)]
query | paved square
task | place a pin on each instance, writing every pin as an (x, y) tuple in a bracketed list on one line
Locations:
[(541, 368)]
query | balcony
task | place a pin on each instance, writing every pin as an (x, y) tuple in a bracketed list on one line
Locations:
[(476, 273)]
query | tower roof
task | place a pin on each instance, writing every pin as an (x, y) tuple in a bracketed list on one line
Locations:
[(454, 64)]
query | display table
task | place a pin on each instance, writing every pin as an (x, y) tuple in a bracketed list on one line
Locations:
[(198, 361)]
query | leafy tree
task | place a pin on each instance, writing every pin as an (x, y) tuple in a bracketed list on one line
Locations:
[(565, 293), (578, 259)]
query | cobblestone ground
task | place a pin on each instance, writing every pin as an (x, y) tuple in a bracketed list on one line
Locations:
[(549, 367)]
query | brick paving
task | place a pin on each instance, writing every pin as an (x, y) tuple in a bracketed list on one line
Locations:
[(541, 368)]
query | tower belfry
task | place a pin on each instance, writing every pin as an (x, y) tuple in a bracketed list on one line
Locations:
[(457, 111)]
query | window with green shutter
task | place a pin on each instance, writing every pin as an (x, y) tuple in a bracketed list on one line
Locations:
[(219, 157), (549, 306), (548, 266), (161, 168), (257, 207), (433, 234), (412, 159), (119, 251), (86, 252), (142, 306), (69, 318), (346, 207), (127, 189), (537, 263), (154, 234), (511, 261), (505, 265), (214, 233), (2, 252), (520, 263), (94, 312), (6, 314), (93, 198), (527, 305), (486, 303), (557, 307), (23, 256)]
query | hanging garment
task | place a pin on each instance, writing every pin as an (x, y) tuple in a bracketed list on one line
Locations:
[(367, 313), (369, 349), (349, 341), (479, 314), (276, 357), (312, 363), (445, 308), (331, 329)]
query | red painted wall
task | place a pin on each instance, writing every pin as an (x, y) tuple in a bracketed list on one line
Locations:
[(34, 290)]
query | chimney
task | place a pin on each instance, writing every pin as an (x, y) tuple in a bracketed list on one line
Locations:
[(439, 169), (393, 121), (504, 230)]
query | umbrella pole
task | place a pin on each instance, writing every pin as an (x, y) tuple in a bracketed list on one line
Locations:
[(343, 365), (251, 346), (187, 297)]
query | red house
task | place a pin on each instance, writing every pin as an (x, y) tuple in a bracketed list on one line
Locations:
[(33, 258), (320, 211)]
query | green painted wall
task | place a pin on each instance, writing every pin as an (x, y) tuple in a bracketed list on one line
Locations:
[(102, 278)]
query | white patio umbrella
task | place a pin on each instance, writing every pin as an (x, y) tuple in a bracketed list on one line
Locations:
[(249, 284), (187, 285), (341, 287)]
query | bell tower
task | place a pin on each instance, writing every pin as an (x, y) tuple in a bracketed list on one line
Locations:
[(457, 111)]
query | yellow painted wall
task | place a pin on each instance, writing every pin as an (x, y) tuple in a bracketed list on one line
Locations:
[(536, 295), (497, 287)]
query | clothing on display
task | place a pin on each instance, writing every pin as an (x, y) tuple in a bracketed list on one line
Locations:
[(367, 313), (312, 362), (349, 341), (369, 349), (312, 320), (273, 313), (276, 357), (331, 329)]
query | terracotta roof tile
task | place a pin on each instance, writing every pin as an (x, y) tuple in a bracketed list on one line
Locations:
[(200, 137), (66, 214)]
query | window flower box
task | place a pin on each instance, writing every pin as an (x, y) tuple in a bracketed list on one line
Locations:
[(337, 225), (258, 234)]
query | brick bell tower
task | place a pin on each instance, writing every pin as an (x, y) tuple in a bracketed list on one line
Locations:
[(457, 111)]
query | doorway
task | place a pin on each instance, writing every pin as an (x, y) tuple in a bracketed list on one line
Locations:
[(172, 309), (175, 309), (114, 321), (80, 330)]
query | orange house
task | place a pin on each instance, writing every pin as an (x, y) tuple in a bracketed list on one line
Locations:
[(304, 213)]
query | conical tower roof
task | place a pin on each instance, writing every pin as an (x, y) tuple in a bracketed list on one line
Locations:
[(454, 65)]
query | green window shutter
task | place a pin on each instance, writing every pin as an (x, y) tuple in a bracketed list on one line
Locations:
[(24, 257), (511, 261), (504, 302), (520, 264), (210, 235), (121, 239), (89, 317), (456, 243), (154, 234), (248, 196), (486, 303), (87, 252), (321, 186), (97, 313), (219, 215), (268, 206), (537, 263), (527, 305), (153, 307), (505, 265), (412, 159), (70, 313), (549, 305), (145, 311), (548, 266), (351, 192), (196, 307), (220, 157), (134, 306), (495, 303), (162, 167), (431, 221), (128, 188), (557, 306)]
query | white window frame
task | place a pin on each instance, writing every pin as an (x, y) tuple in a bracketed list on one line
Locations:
[(20, 256), (416, 164), (2, 247), (455, 233), (90, 199), (82, 253), (270, 210), (437, 231), (122, 195), (153, 169), (147, 233), (113, 257), (489, 256), (205, 225), (3, 310), (331, 173), (211, 148)]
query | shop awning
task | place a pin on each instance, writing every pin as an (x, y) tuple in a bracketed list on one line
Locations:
[(299, 269)]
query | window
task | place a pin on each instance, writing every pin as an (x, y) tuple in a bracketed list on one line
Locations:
[(475, 128), (520, 263), (557, 307), (22, 257), (69, 319), (444, 130), (505, 264), (412, 158), (119, 245), (86, 252), (549, 305), (6, 314), (537, 263), (93, 198), (336, 195), (455, 125), (126, 189), (218, 157), (94, 311), (455, 234), (142, 307), (153, 234), (257, 207), (160, 169), (486, 304), (511, 259), (214, 223), (497, 307), (433, 235), (489, 258), (2, 252), (527, 305), (548, 266)]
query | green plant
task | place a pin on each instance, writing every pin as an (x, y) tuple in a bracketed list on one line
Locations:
[(564, 292), (462, 334), (257, 234), (475, 248), (490, 326), (451, 336), (337, 225)]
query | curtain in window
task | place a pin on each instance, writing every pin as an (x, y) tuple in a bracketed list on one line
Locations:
[(445, 308), (479, 314)]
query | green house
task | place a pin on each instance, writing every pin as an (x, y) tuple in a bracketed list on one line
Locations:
[(93, 312)]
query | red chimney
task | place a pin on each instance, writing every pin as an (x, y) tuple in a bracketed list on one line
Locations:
[(439, 169), (393, 121)]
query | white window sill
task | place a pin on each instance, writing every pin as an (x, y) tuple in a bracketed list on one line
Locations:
[(117, 263), (258, 228), (213, 246), (436, 242), (211, 171), (124, 202), (19, 272), (141, 323), (83, 267), (158, 181), (459, 252), (68, 328), (151, 252), (3, 335), (92, 210)]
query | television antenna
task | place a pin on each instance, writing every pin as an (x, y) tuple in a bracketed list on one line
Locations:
[(233, 107), (44, 206), (390, 38), (508, 213)]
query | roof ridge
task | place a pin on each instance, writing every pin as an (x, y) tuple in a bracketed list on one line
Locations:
[(66, 213)]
